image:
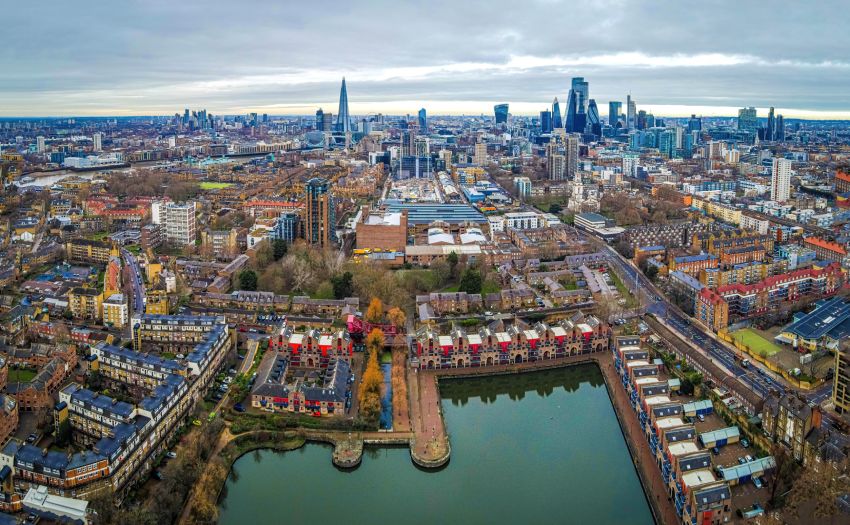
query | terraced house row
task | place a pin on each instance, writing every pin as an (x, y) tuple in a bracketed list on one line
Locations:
[(700, 491), (122, 439), (577, 335)]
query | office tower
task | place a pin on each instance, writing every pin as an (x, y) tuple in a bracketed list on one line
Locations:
[(320, 213), (480, 155), (582, 91), (571, 155), (780, 181), (748, 119), (594, 123), (694, 124), (501, 111), (422, 147), (779, 132), (327, 122), (557, 122), (631, 112), (408, 140), (841, 381), (667, 143), (771, 126), (97, 138), (546, 121), (641, 120), (40, 145), (423, 120), (577, 105), (320, 119), (614, 109), (651, 122), (343, 119)]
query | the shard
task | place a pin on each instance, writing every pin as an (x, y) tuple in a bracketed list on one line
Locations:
[(343, 119)]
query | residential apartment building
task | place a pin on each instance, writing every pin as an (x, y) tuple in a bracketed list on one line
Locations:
[(87, 251), (85, 303), (826, 250), (459, 349), (177, 221), (313, 348), (275, 390), (788, 419), (116, 311), (8, 417), (711, 309)]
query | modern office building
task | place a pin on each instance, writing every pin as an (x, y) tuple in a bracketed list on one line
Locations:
[(631, 112), (748, 119), (615, 108), (557, 121), (780, 180), (841, 384), (97, 142), (343, 119), (501, 111), (770, 131), (321, 213), (423, 120), (546, 121), (571, 156)]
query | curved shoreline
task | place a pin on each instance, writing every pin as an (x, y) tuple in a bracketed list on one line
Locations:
[(347, 451)]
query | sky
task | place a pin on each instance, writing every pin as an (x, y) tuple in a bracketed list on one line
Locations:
[(155, 57)]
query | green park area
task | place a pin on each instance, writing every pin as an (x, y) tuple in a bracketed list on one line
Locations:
[(207, 185), (755, 342), (21, 375)]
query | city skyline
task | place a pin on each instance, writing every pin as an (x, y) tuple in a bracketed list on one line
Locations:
[(160, 57)]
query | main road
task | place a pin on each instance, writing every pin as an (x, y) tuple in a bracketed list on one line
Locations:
[(754, 377), (136, 281)]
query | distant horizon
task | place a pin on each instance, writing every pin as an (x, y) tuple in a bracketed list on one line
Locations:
[(681, 112)]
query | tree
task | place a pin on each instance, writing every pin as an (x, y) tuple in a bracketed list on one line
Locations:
[(471, 281), (279, 249), (248, 280), (375, 340), (375, 312), (785, 471), (263, 255), (555, 208), (397, 317), (453, 260), (370, 390), (343, 285), (819, 485)]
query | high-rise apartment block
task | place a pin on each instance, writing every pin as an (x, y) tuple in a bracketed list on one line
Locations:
[(320, 221), (780, 181)]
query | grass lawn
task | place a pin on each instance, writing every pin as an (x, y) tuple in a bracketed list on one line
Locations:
[(207, 185), (21, 375), (427, 278), (756, 342), (631, 302)]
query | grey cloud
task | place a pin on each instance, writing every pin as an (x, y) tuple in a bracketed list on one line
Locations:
[(94, 56)]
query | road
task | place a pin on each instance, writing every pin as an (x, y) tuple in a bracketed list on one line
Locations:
[(758, 379), (136, 281)]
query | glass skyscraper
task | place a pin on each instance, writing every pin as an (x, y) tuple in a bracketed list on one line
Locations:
[(614, 110), (343, 119), (748, 119), (501, 111), (423, 120), (556, 115)]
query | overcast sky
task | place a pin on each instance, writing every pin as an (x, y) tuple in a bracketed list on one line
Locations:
[(144, 57)]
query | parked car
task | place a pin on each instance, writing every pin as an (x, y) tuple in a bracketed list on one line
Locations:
[(748, 458), (701, 417), (238, 407), (757, 483), (741, 460), (171, 454), (32, 438), (745, 443), (715, 451), (158, 475)]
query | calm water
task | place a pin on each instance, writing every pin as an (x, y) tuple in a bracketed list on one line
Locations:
[(535, 448)]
